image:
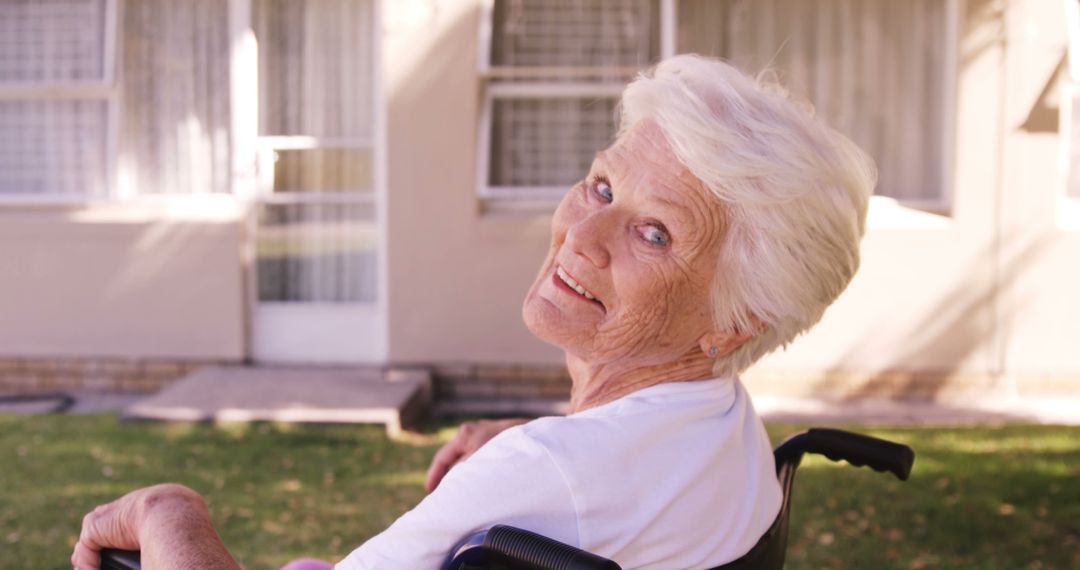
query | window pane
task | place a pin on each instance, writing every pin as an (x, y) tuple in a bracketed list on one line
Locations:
[(547, 142), (874, 69), (582, 33), (315, 67), (323, 170), (53, 147), (52, 40), (176, 117), (316, 253)]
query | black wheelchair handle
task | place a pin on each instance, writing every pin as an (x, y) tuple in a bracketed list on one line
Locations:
[(113, 559), (530, 550), (860, 450)]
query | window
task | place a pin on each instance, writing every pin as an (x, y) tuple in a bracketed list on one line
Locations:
[(876, 70), (555, 70), (66, 124), (879, 70), (56, 98)]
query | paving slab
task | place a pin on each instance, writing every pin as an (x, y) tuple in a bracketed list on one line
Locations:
[(289, 394)]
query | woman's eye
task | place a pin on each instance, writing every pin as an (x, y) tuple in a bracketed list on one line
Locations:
[(655, 236), (602, 189)]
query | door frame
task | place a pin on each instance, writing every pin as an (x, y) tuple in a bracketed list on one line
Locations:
[(321, 333)]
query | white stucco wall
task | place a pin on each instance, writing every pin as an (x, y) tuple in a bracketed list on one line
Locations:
[(121, 280), (985, 292)]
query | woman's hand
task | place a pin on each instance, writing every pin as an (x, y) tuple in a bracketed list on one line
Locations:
[(169, 523), (470, 437), (112, 525)]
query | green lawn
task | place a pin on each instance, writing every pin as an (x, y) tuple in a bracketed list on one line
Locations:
[(978, 498)]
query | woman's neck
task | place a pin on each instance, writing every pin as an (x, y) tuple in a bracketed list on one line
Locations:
[(597, 384)]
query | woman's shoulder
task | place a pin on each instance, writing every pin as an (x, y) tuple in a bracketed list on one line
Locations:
[(576, 442), (710, 416), (556, 428)]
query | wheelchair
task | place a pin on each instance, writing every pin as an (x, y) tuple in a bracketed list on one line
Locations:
[(507, 548)]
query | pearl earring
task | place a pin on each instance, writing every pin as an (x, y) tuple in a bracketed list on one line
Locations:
[(713, 351)]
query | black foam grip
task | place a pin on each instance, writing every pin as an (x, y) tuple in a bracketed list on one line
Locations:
[(113, 559), (860, 450), (524, 547)]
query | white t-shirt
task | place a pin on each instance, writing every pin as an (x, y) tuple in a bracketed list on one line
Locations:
[(678, 475)]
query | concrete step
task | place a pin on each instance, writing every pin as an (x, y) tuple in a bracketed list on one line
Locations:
[(394, 398)]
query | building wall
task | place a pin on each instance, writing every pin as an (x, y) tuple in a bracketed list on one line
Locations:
[(979, 299), (122, 280)]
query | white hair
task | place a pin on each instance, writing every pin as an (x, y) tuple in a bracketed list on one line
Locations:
[(794, 191)]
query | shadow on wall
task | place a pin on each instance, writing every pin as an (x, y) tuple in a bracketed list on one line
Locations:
[(954, 322), (984, 30), (1045, 113)]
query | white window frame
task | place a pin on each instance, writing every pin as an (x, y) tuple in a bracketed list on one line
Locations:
[(104, 89), (534, 86)]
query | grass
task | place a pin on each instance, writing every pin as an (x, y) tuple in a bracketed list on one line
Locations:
[(977, 498)]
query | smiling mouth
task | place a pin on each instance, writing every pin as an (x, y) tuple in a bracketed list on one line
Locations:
[(563, 278)]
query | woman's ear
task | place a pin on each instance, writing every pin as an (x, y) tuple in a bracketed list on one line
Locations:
[(718, 344)]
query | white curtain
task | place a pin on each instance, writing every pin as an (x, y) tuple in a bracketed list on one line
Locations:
[(53, 147), (316, 79), (175, 124), (874, 69), (315, 67)]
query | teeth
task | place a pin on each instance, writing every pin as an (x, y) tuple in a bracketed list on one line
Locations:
[(573, 284), (567, 279)]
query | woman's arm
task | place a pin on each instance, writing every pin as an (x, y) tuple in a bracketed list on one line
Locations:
[(169, 523)]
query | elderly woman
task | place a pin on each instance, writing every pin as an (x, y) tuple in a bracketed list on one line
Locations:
[(719, 225)]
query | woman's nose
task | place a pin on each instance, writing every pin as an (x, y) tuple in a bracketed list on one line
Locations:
[(590, 237)]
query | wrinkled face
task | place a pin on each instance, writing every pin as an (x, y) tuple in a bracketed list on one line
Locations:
[(633, 254)]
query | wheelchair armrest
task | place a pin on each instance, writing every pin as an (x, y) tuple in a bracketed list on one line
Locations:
[(856, 449), (113, 559), (505, 546)]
